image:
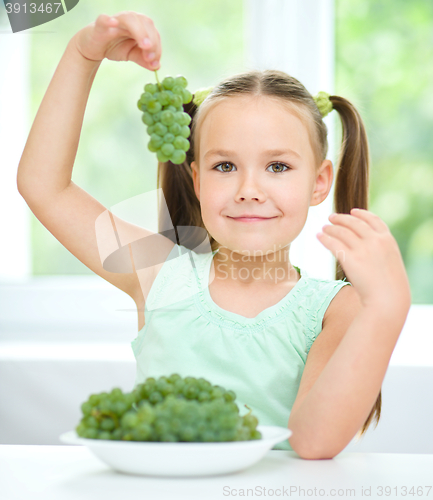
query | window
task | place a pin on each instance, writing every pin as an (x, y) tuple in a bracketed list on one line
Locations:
[(206, 41)]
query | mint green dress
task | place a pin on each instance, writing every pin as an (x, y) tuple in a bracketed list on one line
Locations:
[(261, 359)]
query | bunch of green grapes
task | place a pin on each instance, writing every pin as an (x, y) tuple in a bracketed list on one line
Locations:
[(102, 414), (169, 409), (167, 123)]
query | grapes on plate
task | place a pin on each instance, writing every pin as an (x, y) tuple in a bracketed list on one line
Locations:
[(167, 409), (167, 123)]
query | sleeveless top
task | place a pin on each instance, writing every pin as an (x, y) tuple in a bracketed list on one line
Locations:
[(261, 359)]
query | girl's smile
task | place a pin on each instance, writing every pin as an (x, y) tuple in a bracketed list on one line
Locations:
[(251, 219)]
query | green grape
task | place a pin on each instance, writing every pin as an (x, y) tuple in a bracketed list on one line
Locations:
[(178, 156), (203, 396), (182, 81), (176, 100), (186, 96), (161, 156), (86, 408), (185, 131), (91, 433), (104, 435), (156, 140), (217, 393), (154, 107), (202, 383), (229, 396), (156, 397), (168, 137), (170, 438), (160, 129), (167, 117), (152, 148), (177, 89), (167, 149), (94, 399), (146, 97), (186, 118), (256, 434), (250, 421), (174, 129), (108, 424), (173, 377), (117, 434), (151, 88), (164, 98), (129, 420), (91, 422), (168, 82), (147, 118)]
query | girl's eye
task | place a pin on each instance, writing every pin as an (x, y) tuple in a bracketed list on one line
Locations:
[(224, 166), (281, 166)]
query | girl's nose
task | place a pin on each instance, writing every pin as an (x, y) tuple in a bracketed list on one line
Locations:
[(250, 189)]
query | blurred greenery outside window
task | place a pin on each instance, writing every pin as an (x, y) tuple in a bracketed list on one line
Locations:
[(383, 51)]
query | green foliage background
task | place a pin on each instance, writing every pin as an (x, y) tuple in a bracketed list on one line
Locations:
[(384, 54), (384, 51)]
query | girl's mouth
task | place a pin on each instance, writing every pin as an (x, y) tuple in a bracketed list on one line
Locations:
[(251, 219)]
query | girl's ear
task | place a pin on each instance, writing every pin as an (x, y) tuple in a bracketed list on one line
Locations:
[(323, 183), (196, 179)]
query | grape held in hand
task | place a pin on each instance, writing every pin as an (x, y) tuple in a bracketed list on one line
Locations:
[(167, 409), (167, 123)]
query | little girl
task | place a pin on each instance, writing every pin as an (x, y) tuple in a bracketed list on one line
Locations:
[(301, 352)]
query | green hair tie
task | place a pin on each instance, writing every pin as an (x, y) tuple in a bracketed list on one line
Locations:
[(200, 95), (323, 103)]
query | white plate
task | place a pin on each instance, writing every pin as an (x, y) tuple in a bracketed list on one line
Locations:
[(181, 459)]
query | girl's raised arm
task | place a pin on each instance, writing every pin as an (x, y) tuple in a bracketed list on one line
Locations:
[(45, 169)]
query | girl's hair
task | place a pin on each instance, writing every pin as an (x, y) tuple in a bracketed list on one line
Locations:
[(351, 184)]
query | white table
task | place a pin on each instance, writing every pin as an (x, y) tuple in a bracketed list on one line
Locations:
[(72, 472)]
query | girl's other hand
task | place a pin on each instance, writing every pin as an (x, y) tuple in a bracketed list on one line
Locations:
[(370, 258), (126, 36)]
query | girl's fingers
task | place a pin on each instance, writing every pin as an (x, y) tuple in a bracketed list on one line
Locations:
[(373, 220), (343, 234), (154, 47), (103, 23), (359, 226), (144, 33), (335, 246)]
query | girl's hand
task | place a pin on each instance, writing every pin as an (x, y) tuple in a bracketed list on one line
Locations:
[(370, 257), (126, 36)]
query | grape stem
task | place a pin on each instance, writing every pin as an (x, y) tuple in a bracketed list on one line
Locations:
[(249, 409), (159, 84)]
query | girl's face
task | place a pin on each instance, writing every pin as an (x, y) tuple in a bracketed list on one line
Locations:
[(256, 159)]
